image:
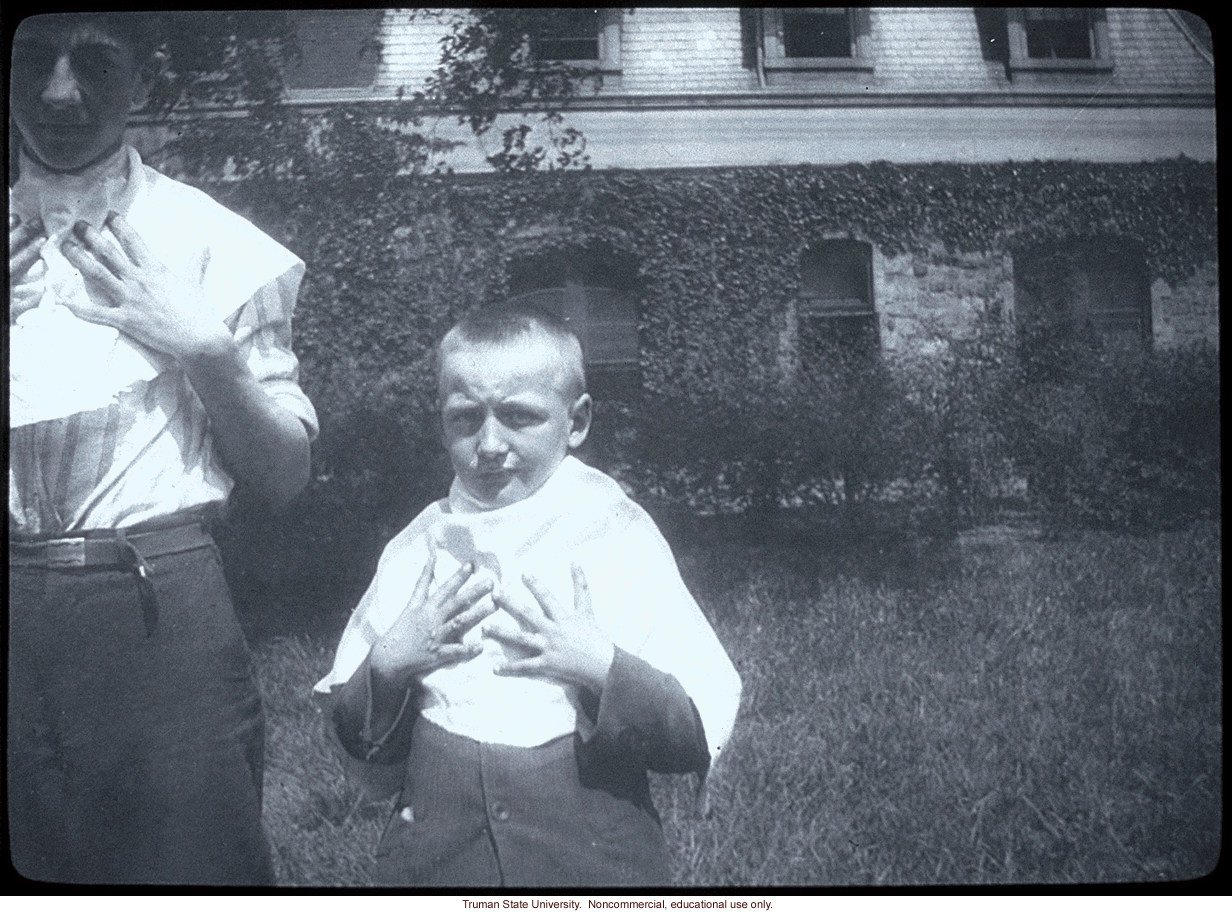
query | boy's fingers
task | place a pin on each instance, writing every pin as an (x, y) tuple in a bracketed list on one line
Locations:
[(450, 587), (523, 615), (456, 653), (513, 638), (102, 249), (459, 625), (424, 583), (465, 599), (521, 668), (23, 234), (581, 590), (546, 600), (22, 260), (129, 240)]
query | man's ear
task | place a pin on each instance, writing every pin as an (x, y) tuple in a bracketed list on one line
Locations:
[(148, 76), (579, 420)]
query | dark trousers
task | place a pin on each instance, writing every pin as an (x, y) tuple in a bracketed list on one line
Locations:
[(134, 755), (486, 815)]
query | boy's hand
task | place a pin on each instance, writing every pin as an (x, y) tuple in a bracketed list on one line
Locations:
[(141, 296), (570, 646), (428, 634)]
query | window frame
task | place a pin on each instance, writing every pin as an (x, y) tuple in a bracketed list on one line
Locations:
[(848, 317), (1019, 59), (608, 62), (1055, 294), (774, 44), (574, 273)]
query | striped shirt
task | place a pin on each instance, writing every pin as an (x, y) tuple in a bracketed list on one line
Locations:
[(149, 453)]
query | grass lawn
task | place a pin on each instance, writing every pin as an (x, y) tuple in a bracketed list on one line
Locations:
[(1042, 712)]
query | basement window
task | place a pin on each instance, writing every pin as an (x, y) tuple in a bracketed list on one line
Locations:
[(835, 307), (1089, 290), (594, 291)]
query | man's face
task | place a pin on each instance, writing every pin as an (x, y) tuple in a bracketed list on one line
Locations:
[(507, 420), (73, 85)]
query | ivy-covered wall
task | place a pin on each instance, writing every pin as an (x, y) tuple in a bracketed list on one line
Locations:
[(391, 263)]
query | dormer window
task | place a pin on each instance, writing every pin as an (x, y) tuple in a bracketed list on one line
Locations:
[(1042, 39), (1057, 33), (803, 39), (580, 37)]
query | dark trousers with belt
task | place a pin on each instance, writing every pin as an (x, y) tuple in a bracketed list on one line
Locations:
[(135, 729)]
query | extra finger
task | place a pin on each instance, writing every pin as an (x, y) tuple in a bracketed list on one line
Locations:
[(458, 626), (129, 240), (517, 638), (91, 270), (525, 616), (581, 591), (547, 601), (102, 249)]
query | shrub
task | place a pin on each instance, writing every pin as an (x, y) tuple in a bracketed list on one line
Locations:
[(1123, 439)]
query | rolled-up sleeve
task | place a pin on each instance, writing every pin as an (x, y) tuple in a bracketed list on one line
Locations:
[(262, 329)]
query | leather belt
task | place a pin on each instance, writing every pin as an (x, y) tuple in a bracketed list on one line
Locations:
[(124, 549), (107, 547)]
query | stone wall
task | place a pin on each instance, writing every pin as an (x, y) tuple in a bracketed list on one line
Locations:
[(1187, 312)]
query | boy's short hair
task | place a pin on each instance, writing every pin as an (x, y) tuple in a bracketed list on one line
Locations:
[(508, 321)]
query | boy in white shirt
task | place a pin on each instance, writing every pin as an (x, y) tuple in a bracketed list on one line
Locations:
[(526, 741)]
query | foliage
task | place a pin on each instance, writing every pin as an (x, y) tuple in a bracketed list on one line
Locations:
[(393, 260), (217, 58), (228, 61), (1130, 439), (1048, 714)]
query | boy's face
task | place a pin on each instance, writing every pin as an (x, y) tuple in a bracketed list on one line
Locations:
[(72, 86), (508, 421)]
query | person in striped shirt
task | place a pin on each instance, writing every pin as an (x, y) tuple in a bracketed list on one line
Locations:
[(150, 369)]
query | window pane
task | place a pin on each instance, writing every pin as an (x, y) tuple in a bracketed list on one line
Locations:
[(1058, 33), (816, 33), (338, 50), (550, 299), (1081, 291), (605, 319), (836, 276), (611, 327), (570, 34)]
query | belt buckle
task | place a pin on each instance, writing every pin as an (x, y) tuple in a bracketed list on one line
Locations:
[(66, 552)]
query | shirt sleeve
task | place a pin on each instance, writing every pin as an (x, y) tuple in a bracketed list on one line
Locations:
[(653, 616), (262, 329), (371, 730), (644, 720)]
